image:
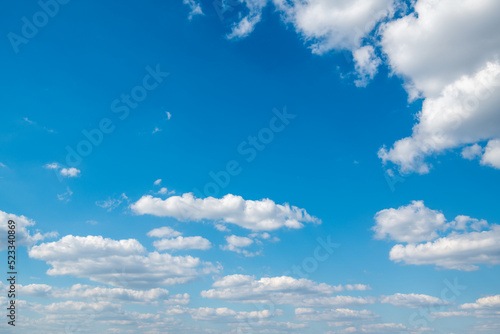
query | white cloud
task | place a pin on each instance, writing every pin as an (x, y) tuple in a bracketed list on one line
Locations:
[(66, 196), (53, 165), (491, 156), (66, 172), (281, 290), (472, 152), (183, 243), (123, 263), (455, 251), (70, 172), (195, 8), (484, 307), (222, 314), (448, 52), (157, 182), (23, 225), (412, 223), (483, 303), (247, 23), (79, 291), (366, 64), (112, 203), (340, 314), (164, 232), (263, 215), (235, 244), (445, 247), (412, 300), (164, 191), (2, 165), (334, 25)]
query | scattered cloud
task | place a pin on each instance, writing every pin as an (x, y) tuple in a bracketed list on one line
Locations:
[(235, 244), (65, 197), (24, 235), (413, 300), (112, 203), (366, 64), (263, 215), (340, 314), (459, 79), (461, 244), (195, 8), (164, 232), (66, 172), (281, 290), (120, 263), (157, 182)]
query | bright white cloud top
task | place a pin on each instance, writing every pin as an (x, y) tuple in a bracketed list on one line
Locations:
[(461, 244), (262, 215)]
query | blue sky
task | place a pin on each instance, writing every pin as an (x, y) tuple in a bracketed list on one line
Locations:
[(259, 167)]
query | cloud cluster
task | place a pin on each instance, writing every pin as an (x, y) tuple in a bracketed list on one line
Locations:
[(122, 263), (24, 235), (448, 52), (282, 290), (262, 215), (461, 244)]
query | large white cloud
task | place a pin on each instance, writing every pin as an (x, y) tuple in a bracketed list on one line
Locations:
[(334, 25), (460, 244), (282, 290), (123, 263), (461, 251), (23, 230), (412, 223), (448, 52), (262, 215)]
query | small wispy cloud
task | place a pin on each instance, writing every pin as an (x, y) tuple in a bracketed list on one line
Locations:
[(66, 172), (65, 197), (169, 115), (157, 129), (112, 203), (3, 165), (195, 8), (29, 121), (157, 182)]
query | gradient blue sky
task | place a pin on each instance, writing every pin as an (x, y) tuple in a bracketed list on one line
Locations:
[(226, 82)]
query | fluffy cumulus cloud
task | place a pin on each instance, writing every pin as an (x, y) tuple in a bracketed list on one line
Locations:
[(366, 64), (412, 223), (24, 234), (262, 215), (448, 52), (334, 25), (460, 244), (282, 290), (221, 314), (122, 263)]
